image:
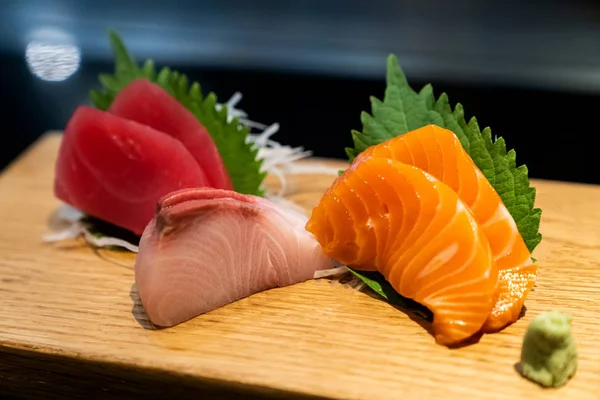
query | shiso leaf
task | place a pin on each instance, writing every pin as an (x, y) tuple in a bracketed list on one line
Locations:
[(403, 110), (379, 285)]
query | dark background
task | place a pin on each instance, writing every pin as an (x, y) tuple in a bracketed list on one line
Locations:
[(529, 69)]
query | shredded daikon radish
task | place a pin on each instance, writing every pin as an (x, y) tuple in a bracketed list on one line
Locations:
[(68, 213), (77, 229), (330, 272), (278, 160), (356, 284), (72, 232), (107, 241)]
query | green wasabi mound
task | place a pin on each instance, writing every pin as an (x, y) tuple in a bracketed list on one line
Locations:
[(548, 355)]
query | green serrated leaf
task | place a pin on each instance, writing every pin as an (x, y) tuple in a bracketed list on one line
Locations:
[(239, 156), (379, 285), (125, 63), (351, 153), (196, 92), (99, 99), (164, 79), (477, 150), (110, 82), (442, 107), (427, 95), (403, 110), (148, 70)]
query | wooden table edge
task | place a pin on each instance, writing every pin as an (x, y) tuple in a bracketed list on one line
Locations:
[(30, 373)]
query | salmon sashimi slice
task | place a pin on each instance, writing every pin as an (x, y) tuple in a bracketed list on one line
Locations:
[(439, 152), (206, 248), (387, 216)]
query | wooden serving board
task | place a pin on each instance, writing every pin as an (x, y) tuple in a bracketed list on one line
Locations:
[(71, 322)]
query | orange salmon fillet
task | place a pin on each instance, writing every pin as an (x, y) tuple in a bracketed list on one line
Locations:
[(417, 209), (439, 152), (387, 216)]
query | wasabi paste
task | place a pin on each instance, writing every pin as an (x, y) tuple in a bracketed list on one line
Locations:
[(548, 355)]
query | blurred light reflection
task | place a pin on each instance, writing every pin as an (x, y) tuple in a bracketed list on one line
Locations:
[(51, 55)]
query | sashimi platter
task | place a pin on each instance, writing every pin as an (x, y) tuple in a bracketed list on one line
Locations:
[(430, 215)]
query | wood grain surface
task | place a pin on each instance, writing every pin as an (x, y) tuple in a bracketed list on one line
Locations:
[(70, 318)]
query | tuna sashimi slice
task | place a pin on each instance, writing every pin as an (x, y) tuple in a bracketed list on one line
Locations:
[(149, 104), (116, 170), (206, 248)]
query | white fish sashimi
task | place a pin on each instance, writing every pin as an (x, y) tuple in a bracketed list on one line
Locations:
[(206, 248)]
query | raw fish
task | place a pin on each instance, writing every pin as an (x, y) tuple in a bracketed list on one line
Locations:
[(439, 152), (383, 215), (116, 170), (206, 248), (149, 104)]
